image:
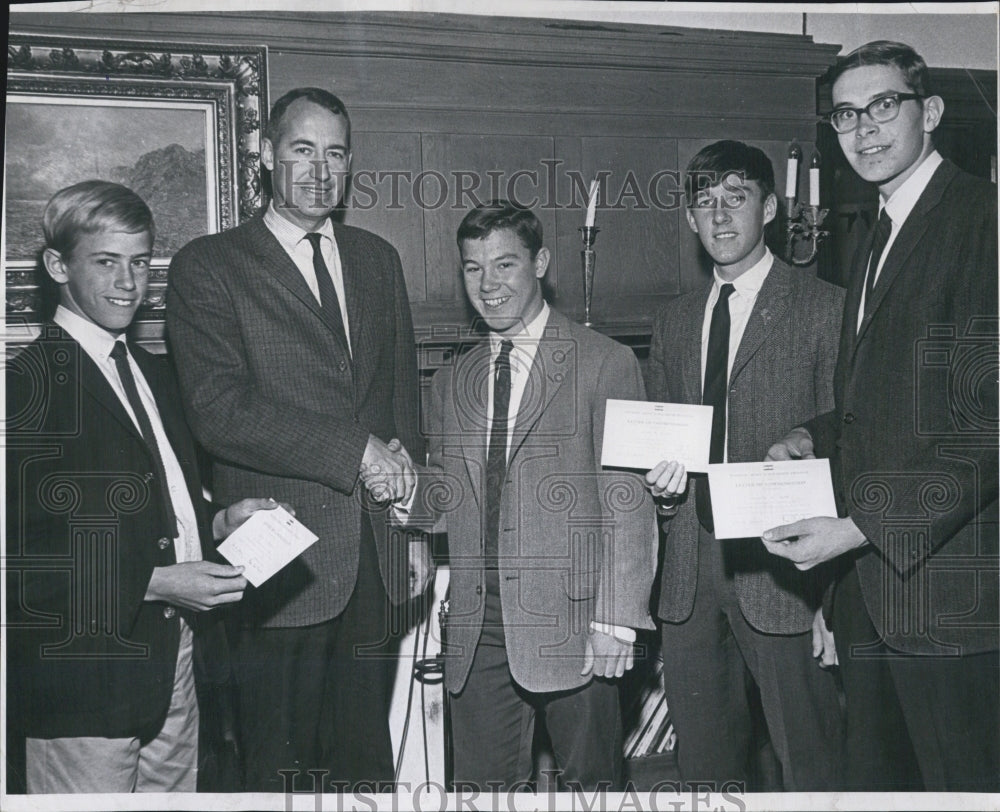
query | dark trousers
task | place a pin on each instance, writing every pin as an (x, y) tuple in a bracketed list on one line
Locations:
[(914, 722), (708, 662), (317, 697), (493, 721)]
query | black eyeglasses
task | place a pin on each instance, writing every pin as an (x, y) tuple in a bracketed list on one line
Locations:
[(882, 110)]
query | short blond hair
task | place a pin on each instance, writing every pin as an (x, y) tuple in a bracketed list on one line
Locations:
[(91, 206)]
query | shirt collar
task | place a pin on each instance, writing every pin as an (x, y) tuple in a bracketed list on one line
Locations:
[(902, 201), (289, 234), (96, 341), (749, 283), (531, 334)]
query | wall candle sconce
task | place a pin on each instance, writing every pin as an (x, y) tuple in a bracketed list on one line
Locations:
[(804, 222), (587, 255)]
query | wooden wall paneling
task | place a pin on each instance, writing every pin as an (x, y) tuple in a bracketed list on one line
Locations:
[(447, 93), (377, 202), (636, 247), (570, 208), (435, 94), (485, 164), (696, 265)]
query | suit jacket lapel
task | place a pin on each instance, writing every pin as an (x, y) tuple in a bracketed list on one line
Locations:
[(97, 386), (855, 287), (352, 264), (471, 390), (167, 405), (280, 266), (768, 310), (554, 360), (907, 239), (691, 370)]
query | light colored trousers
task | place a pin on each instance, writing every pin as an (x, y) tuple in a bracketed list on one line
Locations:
[(167, 763)]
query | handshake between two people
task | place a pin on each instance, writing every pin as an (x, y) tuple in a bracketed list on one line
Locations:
[(387, 471)]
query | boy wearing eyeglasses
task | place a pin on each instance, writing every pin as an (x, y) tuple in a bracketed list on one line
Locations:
[(913, 441)]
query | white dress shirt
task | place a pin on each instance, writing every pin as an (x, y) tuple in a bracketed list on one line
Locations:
[(899, 206), (299, 249), (746, 287)]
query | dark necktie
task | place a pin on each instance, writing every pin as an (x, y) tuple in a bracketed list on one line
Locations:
[(714, 395), (120, 355), (496, 460), (327, 292), (882, 232)]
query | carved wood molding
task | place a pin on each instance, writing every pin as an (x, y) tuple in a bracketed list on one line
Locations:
[(486, 39)]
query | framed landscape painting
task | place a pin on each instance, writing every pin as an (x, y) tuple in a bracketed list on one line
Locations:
[(179, 124)]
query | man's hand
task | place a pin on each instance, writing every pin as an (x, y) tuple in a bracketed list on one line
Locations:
[(667, 480), (226, 521), (387, 470), (797, 445), (197, 585), (823, 646), (421, 567), (606, 656), (810, 542)]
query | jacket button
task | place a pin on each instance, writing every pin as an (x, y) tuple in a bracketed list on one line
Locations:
[(479, 589), (342, 366), (163, 543), (849, 418), (169, 612)]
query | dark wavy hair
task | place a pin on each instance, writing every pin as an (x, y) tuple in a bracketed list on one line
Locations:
[(501, 214), (714, 162)]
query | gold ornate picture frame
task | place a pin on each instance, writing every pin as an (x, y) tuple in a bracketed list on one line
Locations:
[(180, 124)]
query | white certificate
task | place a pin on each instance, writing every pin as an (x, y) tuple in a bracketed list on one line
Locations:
[(751, 497), (265, 543), (638, 434)]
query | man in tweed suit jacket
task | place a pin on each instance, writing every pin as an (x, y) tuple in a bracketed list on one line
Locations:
[(295, 352), (732, 613), (913, 441), (547, 588)]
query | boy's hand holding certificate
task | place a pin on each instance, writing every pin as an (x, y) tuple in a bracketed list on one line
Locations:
[(751, 497), (265, 543), (638, 434)]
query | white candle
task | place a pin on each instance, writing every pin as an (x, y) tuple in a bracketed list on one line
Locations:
[(814, 180), (792, 172), (592, 204)]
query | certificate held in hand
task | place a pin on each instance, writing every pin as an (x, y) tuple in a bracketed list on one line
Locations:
[(265, 543), (639, 434), (751, 497)]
